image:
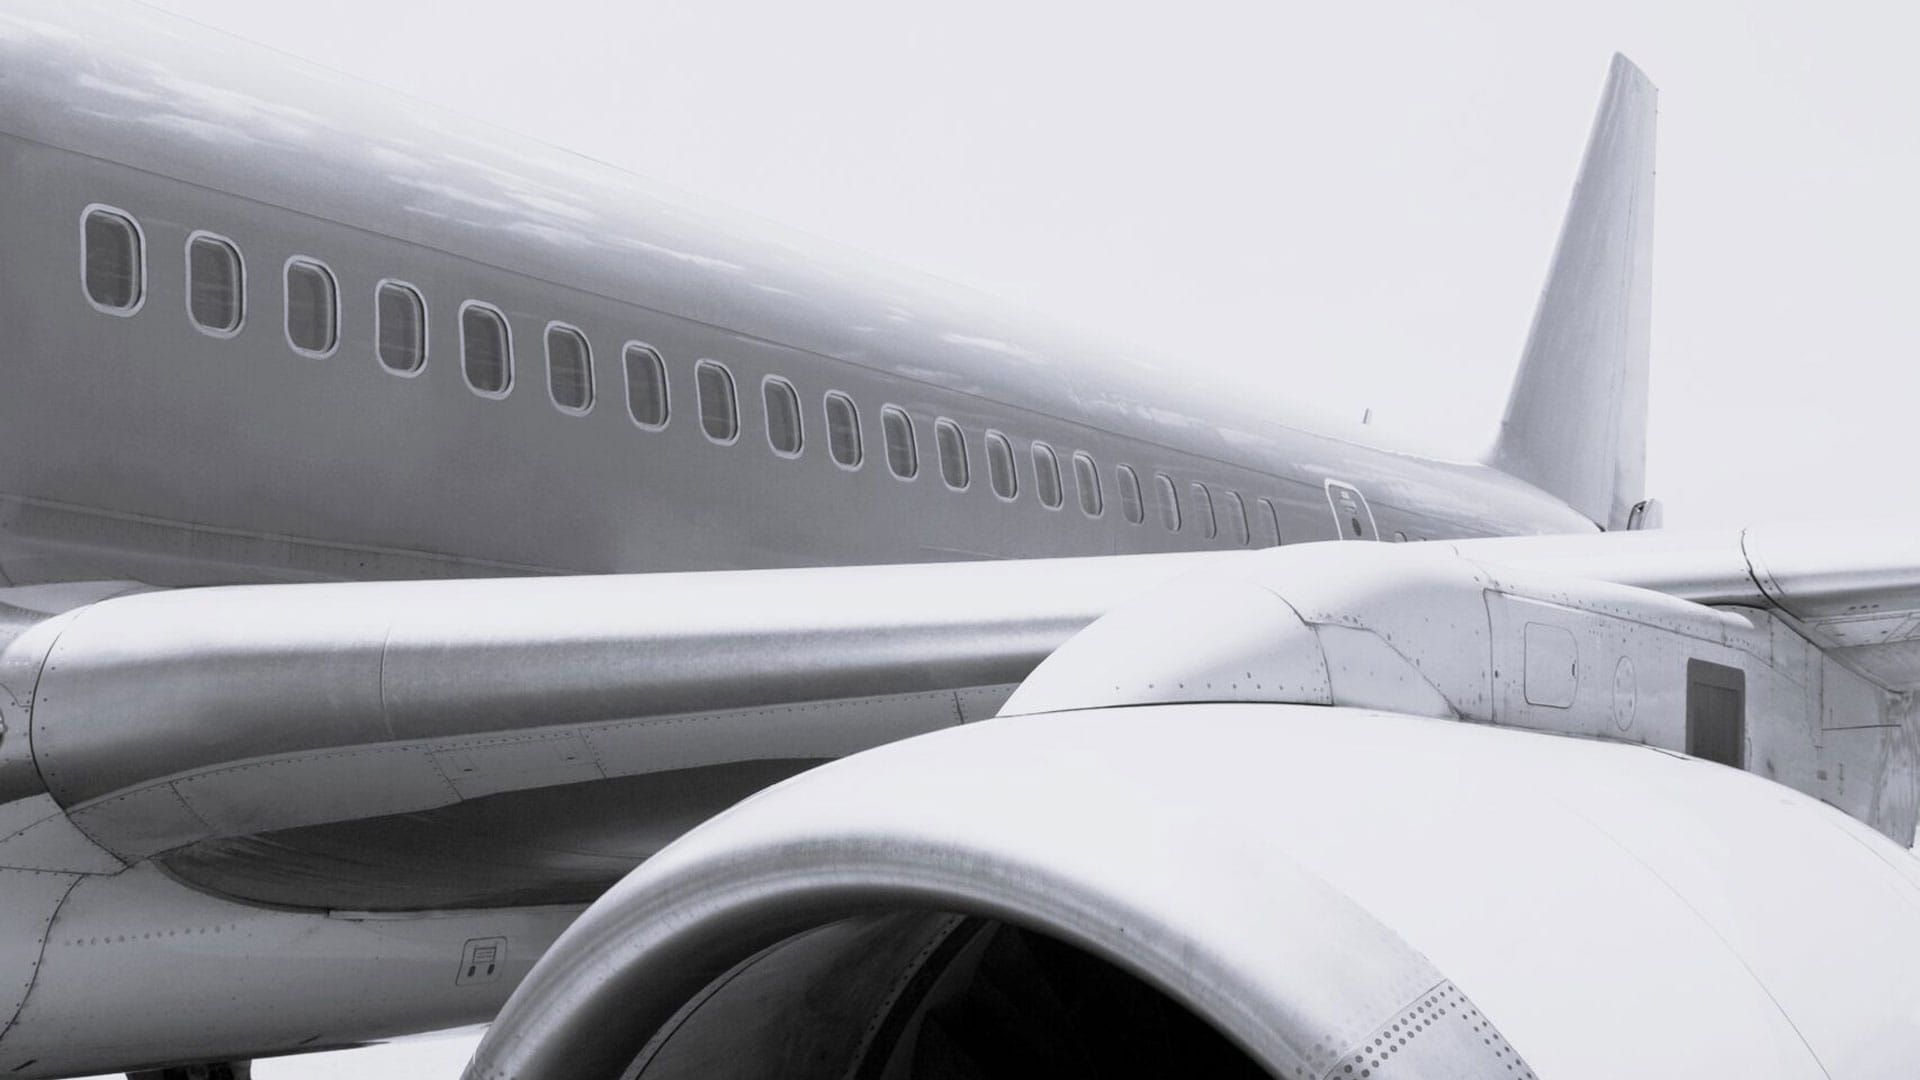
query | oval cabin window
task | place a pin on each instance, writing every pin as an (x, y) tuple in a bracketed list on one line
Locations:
[(1269, 522), (1086, 477), (569, 369), (1203, 510), (843, 431), (1169, 502), (1129, 485), (783, 417), (646, 386), (216, 285), (486, 349), (1046, 476), (112, 261), (953, 453), (313, 307), (719, 410), (400, 328), (902, 457), (1236, 512), (1006, 483)]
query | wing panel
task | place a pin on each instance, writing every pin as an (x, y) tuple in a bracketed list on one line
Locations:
[(168, 684), (265, 735), (552, 845), (1852, 588)]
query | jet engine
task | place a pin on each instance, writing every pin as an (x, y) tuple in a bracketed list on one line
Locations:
[(1299, 887)]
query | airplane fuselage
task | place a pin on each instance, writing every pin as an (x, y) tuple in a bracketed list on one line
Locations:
[(258, 324), (135, 442)]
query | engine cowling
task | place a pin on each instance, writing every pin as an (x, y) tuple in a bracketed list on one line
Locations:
[(1298, 890), (1326, 812)]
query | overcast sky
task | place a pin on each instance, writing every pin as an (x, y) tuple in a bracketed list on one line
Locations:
[(1351, 204)]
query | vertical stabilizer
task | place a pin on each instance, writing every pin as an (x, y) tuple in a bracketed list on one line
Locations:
[(1576, 423)]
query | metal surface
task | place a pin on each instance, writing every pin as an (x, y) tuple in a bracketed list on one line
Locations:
[(1853, 588), (250, 674), (338, 468), (503, 743), (1525, 633), (415, 745), (1614, 910), (923, 995), (564, 844), (1576, 423), (137, 970)]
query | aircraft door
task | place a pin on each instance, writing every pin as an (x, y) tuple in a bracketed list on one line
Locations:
[(1351, 515)]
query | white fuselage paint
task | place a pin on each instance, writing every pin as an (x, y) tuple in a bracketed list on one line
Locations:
[(140, 447)]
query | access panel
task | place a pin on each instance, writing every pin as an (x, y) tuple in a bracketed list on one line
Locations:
[(1717, 713)]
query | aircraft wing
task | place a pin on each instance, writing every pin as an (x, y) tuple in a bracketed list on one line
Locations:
[(1852, 590), (1299, 790), (383, 746), (1365, 810)]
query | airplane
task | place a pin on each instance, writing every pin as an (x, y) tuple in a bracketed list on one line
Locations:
[(449, 581)]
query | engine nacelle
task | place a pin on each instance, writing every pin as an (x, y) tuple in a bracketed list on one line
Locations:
[(1427, 630), (1312, 813), (1317, 887)]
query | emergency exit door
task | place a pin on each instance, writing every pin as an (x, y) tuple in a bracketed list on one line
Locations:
[(1351, 514)]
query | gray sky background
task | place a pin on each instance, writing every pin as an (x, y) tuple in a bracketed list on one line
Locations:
[(1350, 204)]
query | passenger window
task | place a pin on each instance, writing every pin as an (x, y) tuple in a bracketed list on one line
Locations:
[(313, 307), (569, 368), (1046, 476), (953, 453), (1006, 483), (719, 409), (486, 349), (843, 431), (1086, 477), (112, 261), (400, 327), (1236, 517), (646, 385), (1169, 502), (902, 457), (1269, 518), (216, 285), (1130, 507), (783, 416), (1203, 510)]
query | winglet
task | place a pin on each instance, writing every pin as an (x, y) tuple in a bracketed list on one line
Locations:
[(1576, 422)]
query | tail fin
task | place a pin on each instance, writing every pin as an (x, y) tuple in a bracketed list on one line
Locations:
[(1576, 423)]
